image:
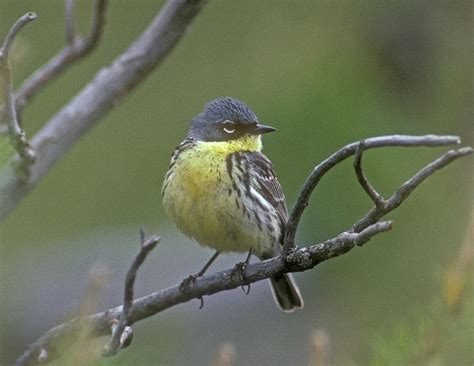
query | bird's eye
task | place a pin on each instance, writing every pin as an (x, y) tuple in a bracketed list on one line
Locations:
[(228, 126)]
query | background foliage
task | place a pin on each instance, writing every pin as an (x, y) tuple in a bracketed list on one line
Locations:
[(324, 74)]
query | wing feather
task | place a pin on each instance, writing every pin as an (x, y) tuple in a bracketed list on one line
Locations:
[(263, 179)]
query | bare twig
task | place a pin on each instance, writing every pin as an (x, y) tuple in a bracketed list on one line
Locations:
[(342, 154), (111, 85), (409, 186), (69, 21), (76, 47), (373, 194), (300, 260), (19, 24), (9, 115), (122, 333), (297, 260)]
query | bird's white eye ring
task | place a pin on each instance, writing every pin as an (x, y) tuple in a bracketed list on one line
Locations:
[(226, 129)]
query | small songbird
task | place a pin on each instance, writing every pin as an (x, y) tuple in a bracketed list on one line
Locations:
[(223, 192)]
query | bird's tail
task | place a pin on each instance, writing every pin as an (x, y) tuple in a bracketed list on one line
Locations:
[(286, 293)]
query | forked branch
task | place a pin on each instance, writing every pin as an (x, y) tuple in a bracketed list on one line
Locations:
[(105, 91), (76, 48), (121, 332), (296, 259), (408, 187), (318, 172), (9, 115)]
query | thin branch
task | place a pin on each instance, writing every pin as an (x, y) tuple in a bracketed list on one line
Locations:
[(297, 260), (69, 22), (342, 154), (121, 336), (98, 21), (107, 89), (99, 324), (409, 186), (76, 48), (19, 24), (368, 188), (9, 115)]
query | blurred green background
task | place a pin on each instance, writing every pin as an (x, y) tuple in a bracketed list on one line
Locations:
[(324, 74)]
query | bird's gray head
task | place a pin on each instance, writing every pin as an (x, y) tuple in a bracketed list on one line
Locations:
[(225, 119)]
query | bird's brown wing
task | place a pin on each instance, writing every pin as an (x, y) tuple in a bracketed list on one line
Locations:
[(263, 179)]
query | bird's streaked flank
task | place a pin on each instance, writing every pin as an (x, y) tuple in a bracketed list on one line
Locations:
[(223, 192)]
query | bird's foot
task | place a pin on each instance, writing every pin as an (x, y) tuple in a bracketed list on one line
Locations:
[(188, 282), (239, 270)]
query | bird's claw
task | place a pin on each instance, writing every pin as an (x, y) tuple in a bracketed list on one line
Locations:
[(187, 282), (239, 269)]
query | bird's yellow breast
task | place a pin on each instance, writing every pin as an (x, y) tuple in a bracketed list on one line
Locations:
[(198, 195)]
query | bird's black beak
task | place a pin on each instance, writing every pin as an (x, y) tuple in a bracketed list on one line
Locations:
[(261, 129)]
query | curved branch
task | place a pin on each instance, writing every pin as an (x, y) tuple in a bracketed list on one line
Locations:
[(69, 21), (295, 261), (106, 90), (376, 197), (17, 26), (342, 154), (9, 116), (76, 48), (409, 186)]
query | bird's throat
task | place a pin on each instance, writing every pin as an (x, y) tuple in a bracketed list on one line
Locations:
[(224, 148)]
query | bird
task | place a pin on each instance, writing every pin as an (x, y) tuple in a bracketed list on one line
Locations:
[(222, 191)]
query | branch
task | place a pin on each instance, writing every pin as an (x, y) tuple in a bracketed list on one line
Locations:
[(19, 24), (297, 260), (372, 193), (9, 116), (109, 87), (99, 324), (121, 332), (76, 48), (318, 172), (69, 21), (409, 186)]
